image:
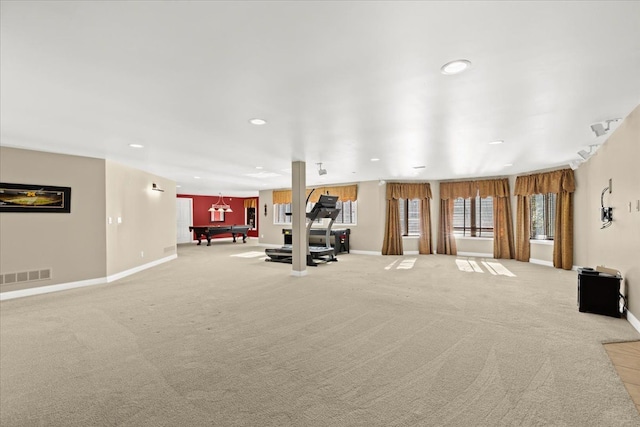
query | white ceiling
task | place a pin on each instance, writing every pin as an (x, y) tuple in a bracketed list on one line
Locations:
[(338, 83)]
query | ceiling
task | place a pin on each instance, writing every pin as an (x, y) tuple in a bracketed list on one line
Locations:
[(337, 82)]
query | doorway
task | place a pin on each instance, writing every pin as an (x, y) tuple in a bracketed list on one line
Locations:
[(184, 218)]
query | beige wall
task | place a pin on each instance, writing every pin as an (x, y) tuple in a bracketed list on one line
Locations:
[(617, 246), (541, 251), (72, 245), (147, 232), (475, 246), (269, 234), (82, 245), (368, 234)]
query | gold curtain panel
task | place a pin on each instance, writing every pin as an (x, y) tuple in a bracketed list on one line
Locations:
[(392, 244), (560, 182)]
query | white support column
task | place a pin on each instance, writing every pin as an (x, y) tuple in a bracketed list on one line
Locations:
[(299, 219)]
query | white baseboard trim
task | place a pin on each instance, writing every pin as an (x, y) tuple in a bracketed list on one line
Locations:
[(475, 254), (81, 283), (355, 251), (633, 320), (139, 268), (541, 262), (410, 253), (296, 273), (51, 288)]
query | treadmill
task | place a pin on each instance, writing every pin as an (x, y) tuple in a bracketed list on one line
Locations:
[(324, 208)]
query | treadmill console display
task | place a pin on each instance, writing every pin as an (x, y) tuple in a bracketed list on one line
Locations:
[(327, 202)]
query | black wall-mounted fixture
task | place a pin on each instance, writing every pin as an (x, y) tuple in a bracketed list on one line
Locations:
[(155, 187), (606, 213), (265, 209)]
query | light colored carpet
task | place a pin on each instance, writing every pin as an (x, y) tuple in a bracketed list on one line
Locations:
[(212, 339)]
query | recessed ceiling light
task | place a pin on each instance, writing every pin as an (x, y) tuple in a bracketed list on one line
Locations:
[(257, 122), (375, 160), (136, 145), (262, 174), (506, 165), (455, 67), (178, 186), (496, 142), (196, 177), (258, 167)]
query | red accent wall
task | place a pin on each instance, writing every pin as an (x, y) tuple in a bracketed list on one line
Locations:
[(202, 216)]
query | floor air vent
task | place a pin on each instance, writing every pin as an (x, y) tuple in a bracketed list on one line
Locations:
[(24, 276)]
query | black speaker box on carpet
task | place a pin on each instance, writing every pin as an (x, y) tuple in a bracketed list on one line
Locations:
[(599, 292)]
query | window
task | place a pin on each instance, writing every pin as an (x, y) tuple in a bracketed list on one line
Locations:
[(279, 213), (409, 216), (543, 216), (473, 217), (348, 212), (251, 218)]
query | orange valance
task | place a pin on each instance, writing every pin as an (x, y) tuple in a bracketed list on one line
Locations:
[(408, 190), (344, 192), (493, 188), (466, 189), (560, 181), (281, 197), (453, 190), (250, 203)]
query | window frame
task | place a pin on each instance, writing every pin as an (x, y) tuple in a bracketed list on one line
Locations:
[(549, 201), (287, 208), (475, 229), (404, 212)]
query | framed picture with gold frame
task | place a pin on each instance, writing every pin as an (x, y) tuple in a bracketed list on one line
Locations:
[(34, 198)]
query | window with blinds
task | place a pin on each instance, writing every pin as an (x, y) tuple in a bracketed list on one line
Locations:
[(280, 211), (473, 217), (409, 216), (543, 216), (348, 212)]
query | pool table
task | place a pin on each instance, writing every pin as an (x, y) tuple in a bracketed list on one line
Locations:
[(208, 231)]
